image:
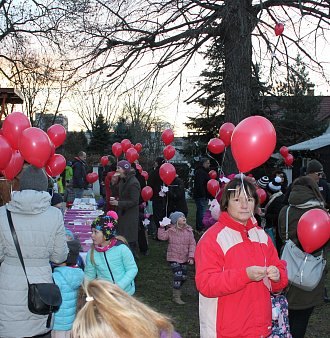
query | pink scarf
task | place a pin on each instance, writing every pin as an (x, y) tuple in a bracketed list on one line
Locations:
[(99, 248)]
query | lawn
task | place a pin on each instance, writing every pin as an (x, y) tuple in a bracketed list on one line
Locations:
[(154, 287)]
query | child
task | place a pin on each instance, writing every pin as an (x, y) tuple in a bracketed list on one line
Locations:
[(109, 257), (68, 276), (180, 251)]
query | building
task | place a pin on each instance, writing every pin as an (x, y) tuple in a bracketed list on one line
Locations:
[(44, 121)]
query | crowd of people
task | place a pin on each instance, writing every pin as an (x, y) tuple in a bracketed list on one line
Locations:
[(237, 259)]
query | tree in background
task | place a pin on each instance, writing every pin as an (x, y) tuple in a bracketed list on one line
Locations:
[(74, 142), (100, 137)]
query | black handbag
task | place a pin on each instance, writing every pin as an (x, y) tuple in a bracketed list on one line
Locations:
[(43, 298)]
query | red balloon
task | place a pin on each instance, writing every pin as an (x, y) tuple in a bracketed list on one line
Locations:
[(313, 229), (55, 165), (213, 187), (35, 146), (56, 134), (138, 168), (126, 144), (104, 160), (288, 160), (167, 136), (13, 126), (132, 155), (138, 147), (213, 174), (14, 166), (167, 173), (146, 193), (169, 152), (252, 142), (284, 151), (262, 195), (145, 174), (92, 177), (225, 132), (52, 146), (279, 28), (216, 146), (117, 149), (5, 151)]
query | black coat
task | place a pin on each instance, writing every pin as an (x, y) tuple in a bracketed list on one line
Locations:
[(79, 168), (200, 183), (177, 197)]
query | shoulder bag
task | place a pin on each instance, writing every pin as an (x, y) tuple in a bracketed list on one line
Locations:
[(43, 298), (304, 270)]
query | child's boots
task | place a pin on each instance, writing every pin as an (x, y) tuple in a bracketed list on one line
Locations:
[(177, 297)]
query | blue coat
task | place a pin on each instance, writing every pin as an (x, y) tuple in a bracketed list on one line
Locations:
[(68, 280), (122, 265)]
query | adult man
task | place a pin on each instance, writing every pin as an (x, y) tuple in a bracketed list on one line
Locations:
[(79, 174), (200, 193)]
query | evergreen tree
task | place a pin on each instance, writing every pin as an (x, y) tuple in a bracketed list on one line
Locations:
[(121, 131), (100, 137), (74, 142)]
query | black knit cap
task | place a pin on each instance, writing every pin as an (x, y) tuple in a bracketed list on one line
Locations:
[(33, 178), (56, 199), (314, 166)]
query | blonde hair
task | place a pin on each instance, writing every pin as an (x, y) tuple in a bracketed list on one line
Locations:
[(113, 313)]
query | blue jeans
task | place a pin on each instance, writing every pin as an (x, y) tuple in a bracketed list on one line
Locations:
[(201, 205)]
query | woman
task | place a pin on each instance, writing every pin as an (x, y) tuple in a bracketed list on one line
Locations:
[(128, 204), (111, 312), (305, 195), (41, 235), (236, 268)]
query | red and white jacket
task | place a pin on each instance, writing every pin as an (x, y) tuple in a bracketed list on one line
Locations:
[(230, 304)]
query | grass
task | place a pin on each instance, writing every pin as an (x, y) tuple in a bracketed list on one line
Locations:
[(154, 287)]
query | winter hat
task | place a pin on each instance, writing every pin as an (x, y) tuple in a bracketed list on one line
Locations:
[(33, 178), (56, 199), (107, 224), (314, 166), (174, 216), (263, 182), (69, 234), (124, 165), (74, 248), (275, 184)]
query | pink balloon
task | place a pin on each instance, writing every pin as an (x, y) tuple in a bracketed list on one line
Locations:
[(146, 193), (252, 142), (262, 195), (216, 146), (167, 173), (56, 134), (92, 177), (145, 175), (284, 151), (13, 126), (14, 166), (225, 132), (126, 144), (213, 186), (167, 136), (104, 160), (313, 229), (35, 146), (288, 160), (117, 149), (169, 152), (5, 152), (138, 168), (55, 165), (213, 174)]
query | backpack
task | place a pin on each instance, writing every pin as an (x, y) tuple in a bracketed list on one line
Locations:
[(280, 317)]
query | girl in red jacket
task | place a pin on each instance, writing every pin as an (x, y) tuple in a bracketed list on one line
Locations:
[(180, 251)]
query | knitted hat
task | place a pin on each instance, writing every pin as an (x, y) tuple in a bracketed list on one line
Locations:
[(275, 184), (124, 165), (69, 234), (74, 248), (314, 166), (56, 199), (263, 182), (107, 224), (33, 178), (174, 216)]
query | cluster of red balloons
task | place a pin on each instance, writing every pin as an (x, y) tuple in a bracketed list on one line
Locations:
[(313, 229), (130, 150), (218, 144), (287, 157), (252, 142), (19, 141), (279, 28), (169, 150)]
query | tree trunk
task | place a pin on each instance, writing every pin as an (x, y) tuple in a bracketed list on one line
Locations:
[(236, 31)]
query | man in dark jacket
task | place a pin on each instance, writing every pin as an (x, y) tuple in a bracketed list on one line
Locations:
[(79, 168), (200, 193)]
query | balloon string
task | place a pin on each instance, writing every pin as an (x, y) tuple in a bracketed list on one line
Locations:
[(166, 204), (208, 154), (246, 196)]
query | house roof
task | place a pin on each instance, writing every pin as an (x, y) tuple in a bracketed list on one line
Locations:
[(314, 143)]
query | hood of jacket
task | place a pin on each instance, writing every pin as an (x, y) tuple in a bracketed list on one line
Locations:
[(29, 202), (301, 194), (73, 276)]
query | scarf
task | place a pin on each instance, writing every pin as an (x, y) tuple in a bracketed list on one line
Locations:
[(100, 248)]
